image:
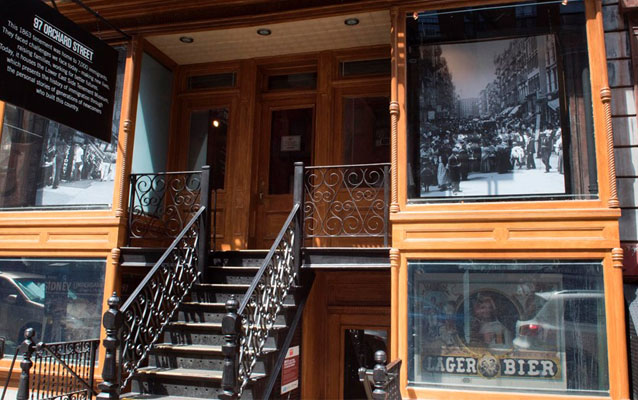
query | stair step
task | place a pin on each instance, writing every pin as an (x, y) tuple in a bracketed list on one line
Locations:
[(208, 325), (195, 348), (188, 348), (147, 396), (182, 373)]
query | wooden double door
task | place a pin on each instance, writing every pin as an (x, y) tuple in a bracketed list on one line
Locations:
[(348, 125), (352, 129)]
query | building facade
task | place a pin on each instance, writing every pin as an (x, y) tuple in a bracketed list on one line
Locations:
[(508, 131)]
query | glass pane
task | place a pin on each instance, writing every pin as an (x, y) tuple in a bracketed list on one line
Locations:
[(290, 141), (60, 299), (359, 348), (500, 104), (306, 80), (366, 125), (46, 164), (207, 143), (513, 325), (152, 122), (379, 66), (213, 81)]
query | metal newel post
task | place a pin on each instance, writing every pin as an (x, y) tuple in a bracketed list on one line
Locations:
[(380, 376), (112, 321), (204, 227), (231, 325), (298, 198), (386, 204), (26, 364)]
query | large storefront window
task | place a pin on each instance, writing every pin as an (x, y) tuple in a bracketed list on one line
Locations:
[(499, 104), (507, 325), (61, 299), (46, 164)]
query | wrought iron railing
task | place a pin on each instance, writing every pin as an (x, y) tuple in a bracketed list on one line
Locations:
[(246, 326), (141, 321), (382, 382), (347, 201), (161, 204), (63, 370)]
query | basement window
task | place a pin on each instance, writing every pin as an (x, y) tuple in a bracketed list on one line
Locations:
[(61, 299)]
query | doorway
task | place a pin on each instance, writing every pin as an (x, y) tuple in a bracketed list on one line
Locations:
[(287, 128)]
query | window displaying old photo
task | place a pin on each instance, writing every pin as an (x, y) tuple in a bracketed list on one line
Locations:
[(498, 117), (502, 324)]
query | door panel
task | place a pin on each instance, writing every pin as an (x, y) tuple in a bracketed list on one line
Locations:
[(287, 128), (362, 124)]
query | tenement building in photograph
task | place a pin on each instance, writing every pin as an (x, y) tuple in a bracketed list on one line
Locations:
[(319, 199)]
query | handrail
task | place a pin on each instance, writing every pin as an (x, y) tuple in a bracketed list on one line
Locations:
[(161, 260), (268, 259), (63, 382), (247, 326), (148, 310), (146, 313)]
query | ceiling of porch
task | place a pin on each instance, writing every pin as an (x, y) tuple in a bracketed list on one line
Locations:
[(298, 36)]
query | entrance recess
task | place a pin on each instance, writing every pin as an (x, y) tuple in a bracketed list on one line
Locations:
[(208, 124), (287, 136)]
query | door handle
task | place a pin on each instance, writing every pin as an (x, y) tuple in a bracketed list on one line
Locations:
[(261, 195)]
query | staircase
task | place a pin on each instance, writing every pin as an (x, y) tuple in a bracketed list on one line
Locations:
[(188, 363)]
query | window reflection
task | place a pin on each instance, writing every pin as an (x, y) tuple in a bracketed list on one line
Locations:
[(508, 325), (60, 299)]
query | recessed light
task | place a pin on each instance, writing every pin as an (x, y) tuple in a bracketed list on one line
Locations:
[(264, 31), (186, 39), (351, 21)]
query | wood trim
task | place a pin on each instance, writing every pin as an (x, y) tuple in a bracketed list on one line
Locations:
[(605, 97), (158, 55), (127, 129), (396, 42), (2, 106), (612, 277)]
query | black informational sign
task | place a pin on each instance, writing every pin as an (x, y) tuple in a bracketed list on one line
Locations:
[(49, 66)]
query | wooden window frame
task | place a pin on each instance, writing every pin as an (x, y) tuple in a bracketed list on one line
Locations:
[(506, 230)]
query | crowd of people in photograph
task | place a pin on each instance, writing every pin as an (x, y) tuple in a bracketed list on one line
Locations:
[(69, 160), (457, 149)]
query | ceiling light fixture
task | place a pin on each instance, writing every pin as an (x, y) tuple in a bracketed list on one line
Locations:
[(351, 21), (264, 31), (186, 39)]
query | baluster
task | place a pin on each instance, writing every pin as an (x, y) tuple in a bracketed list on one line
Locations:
[(131, 207), (112, 321), (386, 204), (204, 223), (26, 364), (231, 324), (298, 196), (91, 366), (380, 376)]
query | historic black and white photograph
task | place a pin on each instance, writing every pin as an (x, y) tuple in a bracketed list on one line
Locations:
[(490, 118)]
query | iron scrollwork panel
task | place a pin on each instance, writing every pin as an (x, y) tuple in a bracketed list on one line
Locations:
[(153, 305), (64, 370), (345, 201), (162, 204)]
